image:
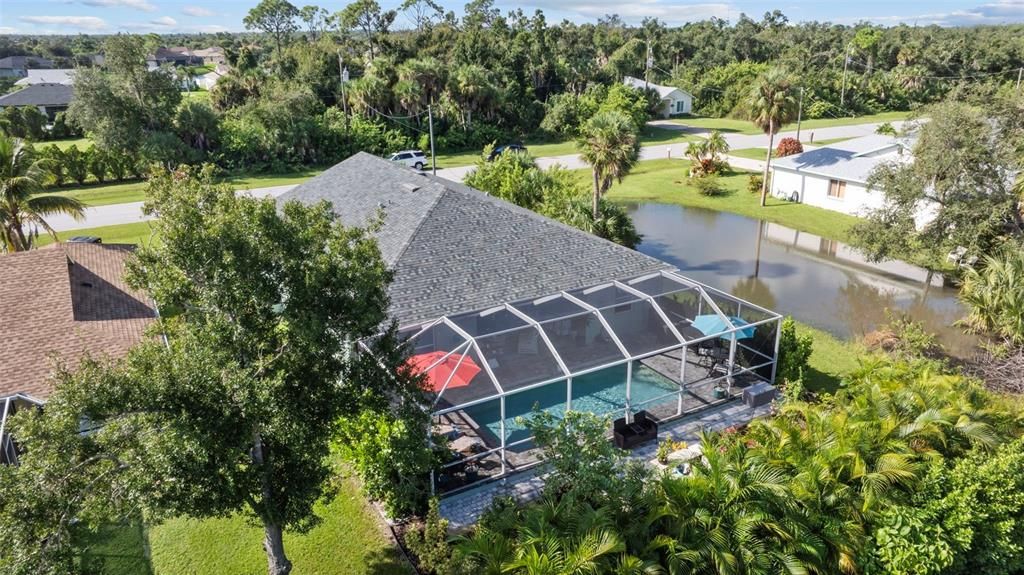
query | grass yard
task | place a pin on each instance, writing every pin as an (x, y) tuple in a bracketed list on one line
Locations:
[(832, 359), (734, 126), (106, 194), (80, 143), (349, 541), (666, 181), (133, 233), (651, 135), (751, 153)]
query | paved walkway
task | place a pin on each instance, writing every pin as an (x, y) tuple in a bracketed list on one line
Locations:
[(463, 510)]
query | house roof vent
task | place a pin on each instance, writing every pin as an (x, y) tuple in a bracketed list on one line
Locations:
[(409, 187)]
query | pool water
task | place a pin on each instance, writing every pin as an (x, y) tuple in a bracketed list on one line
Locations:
[(602, 393)]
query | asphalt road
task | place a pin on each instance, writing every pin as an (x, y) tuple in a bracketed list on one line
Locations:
[(116, 214)]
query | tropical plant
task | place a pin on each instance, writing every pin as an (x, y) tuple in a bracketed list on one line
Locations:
[(771, 107), (994, 295), (709, 185), (610, 145), (23, 209), (705, 156), (429, 542), (794, 352)]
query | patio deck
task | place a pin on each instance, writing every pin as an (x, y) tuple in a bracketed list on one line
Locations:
[(463, 510)]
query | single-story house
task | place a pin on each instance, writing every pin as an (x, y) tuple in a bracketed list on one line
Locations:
[(175, 56), (505, 311), (673, 100), (58, 76), (18, 66), (213, 55), (66, 300), (835, 177), (47, 98), (208, 80)]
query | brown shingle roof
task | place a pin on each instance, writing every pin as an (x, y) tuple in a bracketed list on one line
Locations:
[(67, 300)]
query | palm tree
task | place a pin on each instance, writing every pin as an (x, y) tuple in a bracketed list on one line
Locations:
[(716, 145), (610, 145), (22, 208), (772, 106), (994, 298)]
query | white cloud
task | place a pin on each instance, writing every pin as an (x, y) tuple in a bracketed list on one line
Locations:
[(671, 12), (1000, 12), (208, 28), (197, 11), (143, 5), (91, 23), (164, 21), (9, 30)]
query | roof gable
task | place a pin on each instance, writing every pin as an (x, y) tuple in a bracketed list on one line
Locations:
[(454, 248)]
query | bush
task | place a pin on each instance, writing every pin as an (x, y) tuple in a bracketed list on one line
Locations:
[(57, 163), (886, 129), (794, 352), (430, 543), (709, 186), (76, 164), (754, 183), (788, 147), (822, 109), (96, 160)]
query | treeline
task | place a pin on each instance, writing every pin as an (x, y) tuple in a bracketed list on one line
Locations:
[(489, 76)]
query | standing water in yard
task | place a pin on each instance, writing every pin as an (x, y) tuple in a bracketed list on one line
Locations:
[(821, 282)]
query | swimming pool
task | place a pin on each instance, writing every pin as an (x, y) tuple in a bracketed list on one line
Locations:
[(602, 392)]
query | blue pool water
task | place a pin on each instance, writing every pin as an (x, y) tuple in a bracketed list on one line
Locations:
[(602, 392)]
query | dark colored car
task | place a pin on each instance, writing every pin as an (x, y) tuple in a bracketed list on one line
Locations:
[(517, 148)]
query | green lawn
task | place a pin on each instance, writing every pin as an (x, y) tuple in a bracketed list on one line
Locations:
[(651, 135), (116, 550), (826, 142), (735, 126), (666, 181), (133, 233), (832, 359), (105, 194), (349, 541), (751, 153), (80, 143), (201, 95)]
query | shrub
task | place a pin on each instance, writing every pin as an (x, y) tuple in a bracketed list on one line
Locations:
[(788, 147), (886, 129), (430, 542), (821, 109), (754, 183), (76, 164), (709, 186), (994, 296), (794, 352), (96, 160), (56, 163), (666, 447)]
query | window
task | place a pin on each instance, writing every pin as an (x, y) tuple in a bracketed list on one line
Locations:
[(836, 189), (679, 106)]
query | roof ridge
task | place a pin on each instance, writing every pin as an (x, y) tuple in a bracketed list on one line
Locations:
[(419, 224)]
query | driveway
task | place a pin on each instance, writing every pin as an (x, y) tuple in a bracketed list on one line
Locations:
[(132, 212)]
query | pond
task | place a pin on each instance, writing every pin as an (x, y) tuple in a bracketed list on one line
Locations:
[(818, 281)]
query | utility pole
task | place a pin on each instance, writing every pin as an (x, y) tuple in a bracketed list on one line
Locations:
[(799, 113), (343, 73), (650, 64), (846, 64), (1020, 73), (433, 156)]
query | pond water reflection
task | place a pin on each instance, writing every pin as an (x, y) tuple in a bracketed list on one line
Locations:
[(818, 281)]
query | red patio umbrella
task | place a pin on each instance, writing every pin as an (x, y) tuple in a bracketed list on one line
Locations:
[(435, 379)]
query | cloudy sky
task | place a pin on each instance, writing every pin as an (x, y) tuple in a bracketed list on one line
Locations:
[(105, 16)]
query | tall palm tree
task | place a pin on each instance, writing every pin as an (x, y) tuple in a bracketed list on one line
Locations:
[(610, 145), (772, 106), (22, 209)]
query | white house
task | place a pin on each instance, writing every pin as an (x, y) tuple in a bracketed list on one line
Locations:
[(835, 177), (673, 100)]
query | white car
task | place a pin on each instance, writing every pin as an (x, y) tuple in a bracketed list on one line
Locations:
[(412, 158)]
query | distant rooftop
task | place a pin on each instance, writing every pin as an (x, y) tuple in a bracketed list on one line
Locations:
[(59, 76), (25, 62), (852, 160), (663, 91), (39, 95), (454, 248)]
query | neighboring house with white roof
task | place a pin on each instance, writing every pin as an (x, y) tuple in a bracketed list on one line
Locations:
[(59, 76), (208, 80), (673, 100), (835, 177)]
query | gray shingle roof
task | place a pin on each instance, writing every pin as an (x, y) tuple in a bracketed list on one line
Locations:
[(454, 248), (39, 95)]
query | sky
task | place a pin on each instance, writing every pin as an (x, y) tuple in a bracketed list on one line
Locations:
[(166, 16)]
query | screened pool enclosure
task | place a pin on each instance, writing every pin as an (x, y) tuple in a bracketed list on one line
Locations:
[(661, 343)]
